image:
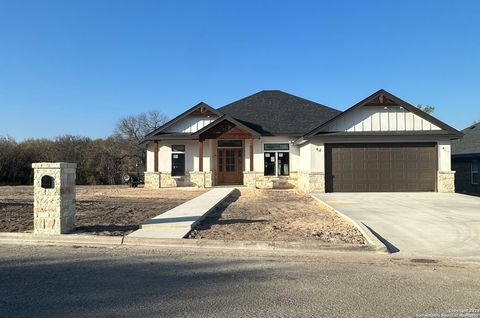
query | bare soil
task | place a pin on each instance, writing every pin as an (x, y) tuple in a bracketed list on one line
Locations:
[(275, 215), (260, 215), (101, 210)]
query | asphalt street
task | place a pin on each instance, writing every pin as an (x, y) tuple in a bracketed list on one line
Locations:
[(56, 281)]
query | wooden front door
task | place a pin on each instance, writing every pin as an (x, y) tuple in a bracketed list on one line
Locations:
[(230, 166)]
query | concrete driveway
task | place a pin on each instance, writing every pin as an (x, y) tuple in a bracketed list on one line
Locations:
[(418, 224)]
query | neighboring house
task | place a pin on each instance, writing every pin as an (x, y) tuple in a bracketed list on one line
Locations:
[(466, 161), (272, 139)]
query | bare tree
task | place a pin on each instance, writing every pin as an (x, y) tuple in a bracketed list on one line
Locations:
[(130, 131), (136, 127), (426, 108)]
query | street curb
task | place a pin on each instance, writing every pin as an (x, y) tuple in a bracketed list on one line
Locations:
[(116, 241), (372, 240), (239, 245), (63, 239)]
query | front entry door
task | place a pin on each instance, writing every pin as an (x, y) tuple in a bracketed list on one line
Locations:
[(230, 166)]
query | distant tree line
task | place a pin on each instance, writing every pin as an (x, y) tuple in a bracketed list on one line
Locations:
[(99, 161)]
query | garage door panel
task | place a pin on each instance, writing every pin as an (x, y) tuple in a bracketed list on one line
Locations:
[(380, 167)]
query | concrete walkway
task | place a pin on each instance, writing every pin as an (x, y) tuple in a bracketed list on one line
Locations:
[(179, 221), (416, 224)]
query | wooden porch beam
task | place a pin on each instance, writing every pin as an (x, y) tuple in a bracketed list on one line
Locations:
[(155, 156)]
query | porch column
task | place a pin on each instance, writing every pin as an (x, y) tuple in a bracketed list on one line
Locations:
[(155, 156), (200, 155), (251, 154)]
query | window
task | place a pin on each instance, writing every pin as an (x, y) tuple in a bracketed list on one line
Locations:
[(230, 160), (283, 163), (178, 160), (229, 143), (178, 148), (275, 147), (474, 171), (277, 161), (270, 160)]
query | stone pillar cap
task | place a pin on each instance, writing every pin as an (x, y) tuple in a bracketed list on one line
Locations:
[(54, 165)]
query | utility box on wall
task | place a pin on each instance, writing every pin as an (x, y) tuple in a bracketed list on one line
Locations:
[(54, 197)]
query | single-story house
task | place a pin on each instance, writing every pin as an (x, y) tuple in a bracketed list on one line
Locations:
[(273, 139), (466, 161)]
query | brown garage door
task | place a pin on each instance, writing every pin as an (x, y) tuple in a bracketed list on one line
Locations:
[(380, 167)]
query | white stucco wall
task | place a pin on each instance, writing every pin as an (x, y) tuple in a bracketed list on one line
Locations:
[(312, 157), (444, 155), (374, 118), (191, 155), (150, 158)]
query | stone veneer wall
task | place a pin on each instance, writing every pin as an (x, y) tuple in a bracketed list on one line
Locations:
[(54, 208), (254, 179), (152, 180), (155, 180), (446, 181), (311, 181)]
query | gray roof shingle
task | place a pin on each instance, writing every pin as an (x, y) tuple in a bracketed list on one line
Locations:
[(273, 112), (470, 143)]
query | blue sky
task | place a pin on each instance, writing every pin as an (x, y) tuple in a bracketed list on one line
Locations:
[(77, 66)]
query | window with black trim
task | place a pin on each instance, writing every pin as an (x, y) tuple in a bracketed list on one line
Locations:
[(276, 159), (270, 160), (230, 143), (276, 147), (178, 160), (178, 148), (474, 167)]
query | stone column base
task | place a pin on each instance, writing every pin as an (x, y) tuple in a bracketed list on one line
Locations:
[(156, 180), (250, 179), (152, 180), (311, 181), (256, 180), (446, 181), (201, 179)]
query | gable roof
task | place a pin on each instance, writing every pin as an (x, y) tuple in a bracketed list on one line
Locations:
[(389, 99), (200, 105), (470, 143), (273, 112), (227, 118)]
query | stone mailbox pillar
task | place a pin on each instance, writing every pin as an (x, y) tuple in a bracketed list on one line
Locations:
[(54, 197)]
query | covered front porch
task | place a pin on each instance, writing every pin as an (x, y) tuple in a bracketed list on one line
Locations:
[(225, 152), (220, 154)]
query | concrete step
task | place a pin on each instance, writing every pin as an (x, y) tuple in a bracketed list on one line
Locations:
[(172, 233)]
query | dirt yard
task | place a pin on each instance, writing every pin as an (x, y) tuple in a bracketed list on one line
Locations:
[(101, 210), (261, 215), (275, 215)]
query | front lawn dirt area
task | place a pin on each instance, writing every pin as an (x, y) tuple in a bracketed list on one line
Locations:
[(101, 210), (275, 215)]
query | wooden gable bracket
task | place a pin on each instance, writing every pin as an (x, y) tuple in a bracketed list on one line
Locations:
[(225, 130), (381, 100)]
